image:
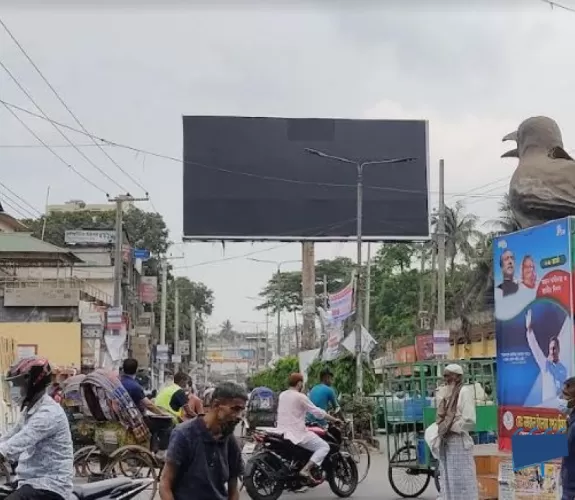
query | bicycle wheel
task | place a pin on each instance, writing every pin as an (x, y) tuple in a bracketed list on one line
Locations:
[(404, 474), (359, 452)]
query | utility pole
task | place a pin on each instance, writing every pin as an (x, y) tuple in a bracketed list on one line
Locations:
[(267, 337), (441, 250), (176, 327), (257, 348), (308, 296), (325, 296), (367, 288), (118, 262), (163, 309), (279, 318), (193, 341), (359, 217)]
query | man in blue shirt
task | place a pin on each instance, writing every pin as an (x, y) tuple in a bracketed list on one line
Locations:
[(134, 389), (323, 396)]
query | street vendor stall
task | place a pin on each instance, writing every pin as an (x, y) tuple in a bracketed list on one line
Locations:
[(409, 407)]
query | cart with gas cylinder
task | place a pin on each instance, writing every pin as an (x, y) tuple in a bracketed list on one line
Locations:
[(408, 402)]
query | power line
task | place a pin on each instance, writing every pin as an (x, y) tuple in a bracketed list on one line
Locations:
[(14, 204), (236, 172), (21, 87), (20, 198), (76, 119), (39, 139), (559, 6), (55, 146)]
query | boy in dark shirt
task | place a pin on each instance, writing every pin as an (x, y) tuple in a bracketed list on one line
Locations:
[(204, 455)]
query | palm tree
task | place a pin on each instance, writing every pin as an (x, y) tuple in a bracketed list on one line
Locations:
[(506, 222), (460, 233)]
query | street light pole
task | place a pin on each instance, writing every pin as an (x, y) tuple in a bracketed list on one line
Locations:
[(358, 288)]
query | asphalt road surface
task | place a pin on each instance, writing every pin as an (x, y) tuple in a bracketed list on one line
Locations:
[(375, 486)]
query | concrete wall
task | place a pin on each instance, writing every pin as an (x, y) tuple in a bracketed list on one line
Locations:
[(59, 342)]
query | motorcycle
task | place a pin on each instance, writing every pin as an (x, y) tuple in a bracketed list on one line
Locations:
[(107, 489), (275, 467)]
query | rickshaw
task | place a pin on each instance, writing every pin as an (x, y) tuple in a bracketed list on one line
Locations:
[(82, 424), (408, 402), (261, 410), (125, 442)]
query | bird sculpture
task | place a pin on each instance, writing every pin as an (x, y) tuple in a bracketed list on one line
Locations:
[(542, 187)]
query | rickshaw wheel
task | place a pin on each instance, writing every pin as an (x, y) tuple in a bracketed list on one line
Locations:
[(419, 478), (134, 462), (82, 459)]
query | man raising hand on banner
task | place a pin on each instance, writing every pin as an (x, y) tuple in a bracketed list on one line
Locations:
[(553, 372)]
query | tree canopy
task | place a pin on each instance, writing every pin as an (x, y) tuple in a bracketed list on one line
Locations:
[(403, 277)]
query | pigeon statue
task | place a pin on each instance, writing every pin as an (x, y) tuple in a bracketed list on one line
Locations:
[(542, 187)]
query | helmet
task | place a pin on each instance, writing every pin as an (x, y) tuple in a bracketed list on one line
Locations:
[(32, 375)]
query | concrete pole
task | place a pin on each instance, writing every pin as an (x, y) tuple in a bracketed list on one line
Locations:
[(193, 342), (441, 262), (367, 288), (163, 309), (358, 286), (308, 296), (176, 326)]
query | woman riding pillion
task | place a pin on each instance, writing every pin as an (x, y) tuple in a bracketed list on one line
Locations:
[(40, 441)]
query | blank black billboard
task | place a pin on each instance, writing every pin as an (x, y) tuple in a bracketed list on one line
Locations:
[(251, 179)]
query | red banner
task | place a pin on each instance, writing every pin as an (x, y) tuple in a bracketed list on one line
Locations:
[(513, 418), (148, 289)]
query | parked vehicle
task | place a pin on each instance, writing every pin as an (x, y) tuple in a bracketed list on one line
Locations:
[(117, 489), (275, 467)]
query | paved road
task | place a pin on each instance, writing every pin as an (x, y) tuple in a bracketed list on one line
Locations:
[(375, 486)]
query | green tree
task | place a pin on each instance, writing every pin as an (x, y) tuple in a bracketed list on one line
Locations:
[(227, 331), (506, 222), (284, 291), (460, 233), (145, 229), (190, 293)]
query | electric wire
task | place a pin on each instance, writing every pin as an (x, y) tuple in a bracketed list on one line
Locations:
[(72, 114), (39, 139)]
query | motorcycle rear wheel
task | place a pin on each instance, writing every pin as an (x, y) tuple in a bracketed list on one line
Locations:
[(343, 465), (252, 486)]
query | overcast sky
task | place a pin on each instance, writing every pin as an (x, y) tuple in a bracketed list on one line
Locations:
[(130, 74)]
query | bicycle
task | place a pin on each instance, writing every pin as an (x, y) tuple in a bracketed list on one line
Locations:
[(356, 449)]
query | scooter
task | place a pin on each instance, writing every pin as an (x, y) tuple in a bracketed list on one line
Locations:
[(107, 489)]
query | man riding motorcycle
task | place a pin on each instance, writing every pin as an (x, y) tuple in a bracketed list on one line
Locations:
[(40, 441), (292, 409), (323, 396)]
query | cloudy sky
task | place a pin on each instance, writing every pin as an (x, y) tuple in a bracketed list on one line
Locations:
[(130, 74)]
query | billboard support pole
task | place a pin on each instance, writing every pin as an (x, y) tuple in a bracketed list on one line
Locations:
[(441, 250), (367, 287), (279, 319), (307, 337)]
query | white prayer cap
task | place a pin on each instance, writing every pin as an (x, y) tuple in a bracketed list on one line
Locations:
[(454, 368)]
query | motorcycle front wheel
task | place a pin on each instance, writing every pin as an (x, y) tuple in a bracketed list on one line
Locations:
[(258, 483), (343, 477)]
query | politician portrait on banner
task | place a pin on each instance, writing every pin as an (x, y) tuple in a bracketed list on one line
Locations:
[(533, 319)]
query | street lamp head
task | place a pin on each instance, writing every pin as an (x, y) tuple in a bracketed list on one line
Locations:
[(315, 152)]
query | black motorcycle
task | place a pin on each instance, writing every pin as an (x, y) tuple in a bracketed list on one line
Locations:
[(275, 467), (107, 489)]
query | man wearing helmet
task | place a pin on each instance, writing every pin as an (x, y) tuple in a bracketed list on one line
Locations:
[(40, 441)]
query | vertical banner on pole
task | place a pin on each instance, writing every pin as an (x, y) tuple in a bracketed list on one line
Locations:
[(532, 271)]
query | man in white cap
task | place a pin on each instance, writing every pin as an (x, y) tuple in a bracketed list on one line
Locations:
[(455, 419)]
